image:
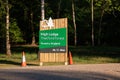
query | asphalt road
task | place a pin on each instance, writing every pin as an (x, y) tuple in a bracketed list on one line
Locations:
[(70, 72)]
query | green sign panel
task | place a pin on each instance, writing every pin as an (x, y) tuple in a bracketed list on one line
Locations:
[(53, 40)]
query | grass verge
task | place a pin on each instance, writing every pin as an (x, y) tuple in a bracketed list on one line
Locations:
[(88, 55), (81, 55)]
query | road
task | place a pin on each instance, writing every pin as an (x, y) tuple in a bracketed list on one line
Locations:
[(69, 72)]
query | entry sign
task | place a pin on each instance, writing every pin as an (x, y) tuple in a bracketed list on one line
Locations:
[(52, 40), (53, 46)]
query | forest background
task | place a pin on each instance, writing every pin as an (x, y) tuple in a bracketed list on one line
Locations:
[(25, 16)]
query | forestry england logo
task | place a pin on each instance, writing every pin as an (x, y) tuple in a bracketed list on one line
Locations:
[(48, 23)]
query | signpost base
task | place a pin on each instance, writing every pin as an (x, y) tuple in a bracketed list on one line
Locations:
[(66, 63), (41, 64)]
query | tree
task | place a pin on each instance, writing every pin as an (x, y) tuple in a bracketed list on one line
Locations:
[(42, 10), (74, 23), (59, 6), (33, 33), (92, 19), (103, 6), (8, 50)]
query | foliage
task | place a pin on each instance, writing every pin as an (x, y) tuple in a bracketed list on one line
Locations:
[(2, 26), (15, 32), (2, 8), (20, 19), (2, 20)]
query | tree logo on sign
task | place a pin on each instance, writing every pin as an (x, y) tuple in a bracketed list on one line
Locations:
[(48, 23)]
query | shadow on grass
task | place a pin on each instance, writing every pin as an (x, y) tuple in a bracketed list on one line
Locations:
[(9, 62), (97, 52), (100, 51)]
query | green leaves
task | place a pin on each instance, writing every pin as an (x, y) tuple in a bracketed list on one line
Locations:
[(15, 32)]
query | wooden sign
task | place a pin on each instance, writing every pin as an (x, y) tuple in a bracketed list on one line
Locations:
[(53, 45)]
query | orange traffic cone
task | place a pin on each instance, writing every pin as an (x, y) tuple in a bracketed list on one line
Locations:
[(23, 64), (70, 58)]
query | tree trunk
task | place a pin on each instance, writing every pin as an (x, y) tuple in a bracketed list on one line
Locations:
[(42, 10), (100, 28), (105, 3), (74, 23), (92, 10), (33, 33), (8, 51), (59, 6)]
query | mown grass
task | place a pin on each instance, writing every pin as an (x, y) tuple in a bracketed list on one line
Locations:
[(16, 57), (81, 55)]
